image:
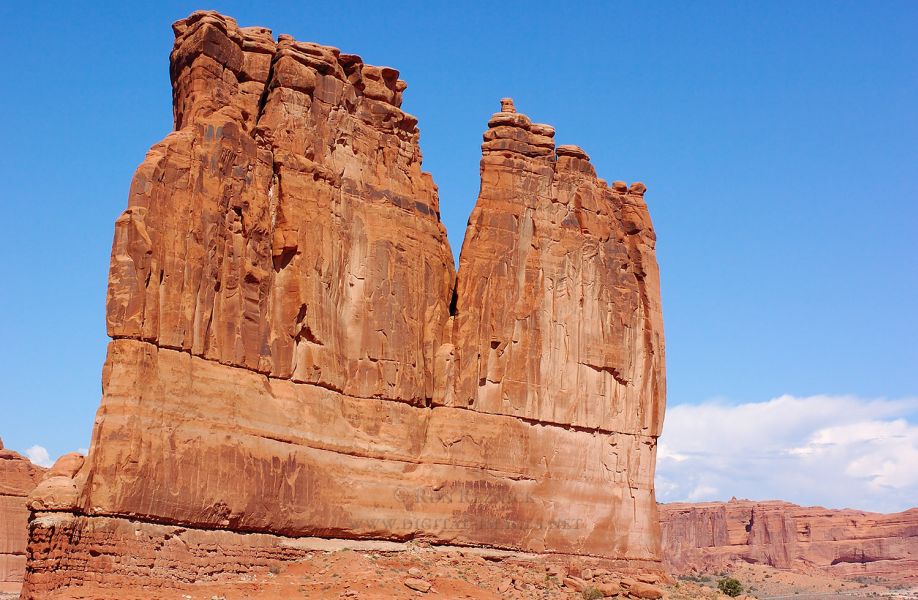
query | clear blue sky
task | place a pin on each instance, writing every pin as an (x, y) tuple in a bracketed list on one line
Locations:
[(779, 142)]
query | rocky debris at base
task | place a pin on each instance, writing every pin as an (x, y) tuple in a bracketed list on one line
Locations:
[(386, 575), (417, 584)]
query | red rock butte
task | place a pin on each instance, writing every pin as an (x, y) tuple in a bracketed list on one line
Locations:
[(293, 353), (18, 477)]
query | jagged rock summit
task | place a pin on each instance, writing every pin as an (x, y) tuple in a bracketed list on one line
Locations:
[(293, 354)]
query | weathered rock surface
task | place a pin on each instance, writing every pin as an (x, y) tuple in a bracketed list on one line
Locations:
[(843, 543), (558, 308), (58, 489), (18, 476), (294, 354)]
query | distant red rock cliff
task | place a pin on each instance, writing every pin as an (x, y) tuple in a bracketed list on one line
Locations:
[(18, 477), (843, 543)]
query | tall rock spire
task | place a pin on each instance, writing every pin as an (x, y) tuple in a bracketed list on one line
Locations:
[(558, 303)]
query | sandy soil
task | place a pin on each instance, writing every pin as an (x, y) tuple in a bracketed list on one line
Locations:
[(768, 583)]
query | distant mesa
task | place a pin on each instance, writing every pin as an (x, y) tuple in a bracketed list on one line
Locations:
[(710, 537)]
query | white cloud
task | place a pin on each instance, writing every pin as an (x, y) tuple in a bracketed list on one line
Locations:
[(665, 453), (834, 451), (702, 492), (39, 455)]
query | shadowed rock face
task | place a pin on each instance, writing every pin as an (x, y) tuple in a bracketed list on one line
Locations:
[(844, 543), (294, 354), (18, 476)]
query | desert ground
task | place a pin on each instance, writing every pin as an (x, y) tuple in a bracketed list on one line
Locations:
[(378, 572)]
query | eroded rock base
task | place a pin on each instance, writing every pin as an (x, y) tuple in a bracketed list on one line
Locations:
[(78, 557)]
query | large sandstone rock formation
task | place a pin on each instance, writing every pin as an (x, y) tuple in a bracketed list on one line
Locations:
[(293, 353), (710, 536), (18, 476)]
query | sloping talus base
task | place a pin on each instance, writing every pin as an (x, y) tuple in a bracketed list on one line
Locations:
[(73, 556)]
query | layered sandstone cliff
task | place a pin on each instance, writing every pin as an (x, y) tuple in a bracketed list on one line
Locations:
[(18, 476), (293, 353), (849, 544)]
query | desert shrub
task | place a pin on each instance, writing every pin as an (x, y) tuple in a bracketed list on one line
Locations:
[(591, 593), (730, 586)]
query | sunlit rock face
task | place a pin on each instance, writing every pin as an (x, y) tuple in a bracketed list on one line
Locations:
[(709, 536), (293, 353), (18, 477)]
